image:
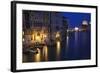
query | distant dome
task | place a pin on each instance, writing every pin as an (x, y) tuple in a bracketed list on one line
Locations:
[(85, 22)]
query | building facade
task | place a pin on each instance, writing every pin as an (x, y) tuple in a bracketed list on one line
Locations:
[(42, 26)]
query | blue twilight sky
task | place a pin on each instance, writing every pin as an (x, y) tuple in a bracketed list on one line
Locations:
[(75, 19)]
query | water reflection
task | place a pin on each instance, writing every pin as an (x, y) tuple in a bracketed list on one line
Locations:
[(77, 47), (67, 44), (58, 48), (37, 56), (45, 53), (76, 54), (67, 41)]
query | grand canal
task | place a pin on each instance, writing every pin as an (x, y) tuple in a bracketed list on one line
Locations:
[(77, 47)]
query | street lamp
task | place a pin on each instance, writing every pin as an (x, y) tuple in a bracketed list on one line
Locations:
[(76, 28)]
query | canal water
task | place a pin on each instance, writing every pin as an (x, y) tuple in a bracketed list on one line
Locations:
[(77, 47)]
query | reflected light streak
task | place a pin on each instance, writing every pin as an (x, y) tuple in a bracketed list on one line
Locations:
[(67, 40), (58, 49), (37, 56), (58, 44), (45, 53), (76, 36)]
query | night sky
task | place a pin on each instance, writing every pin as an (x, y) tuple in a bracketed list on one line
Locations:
[(75, 19)]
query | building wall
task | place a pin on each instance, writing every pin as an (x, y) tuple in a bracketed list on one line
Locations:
[(48, 22)]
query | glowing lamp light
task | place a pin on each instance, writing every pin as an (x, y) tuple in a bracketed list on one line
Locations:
[(76, 28), (38, 38), (57, 35), (85, 22), (45, 35)]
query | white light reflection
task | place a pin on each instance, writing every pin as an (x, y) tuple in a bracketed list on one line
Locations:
[(76, 28)]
